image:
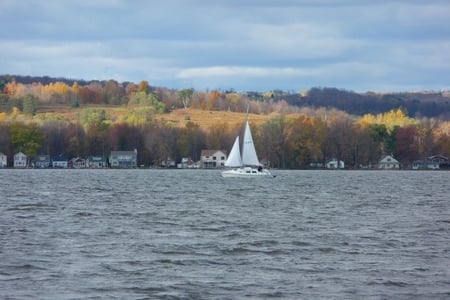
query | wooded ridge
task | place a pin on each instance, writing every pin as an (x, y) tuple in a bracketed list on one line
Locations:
[(291, 130)]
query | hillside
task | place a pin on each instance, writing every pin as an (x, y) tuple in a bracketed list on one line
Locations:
[(205, 119), (50, 92)]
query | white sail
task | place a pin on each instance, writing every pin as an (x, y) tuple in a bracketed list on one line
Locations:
[(249, 156), (234, 159)]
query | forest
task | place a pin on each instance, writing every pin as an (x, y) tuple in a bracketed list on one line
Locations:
[(43, 115)]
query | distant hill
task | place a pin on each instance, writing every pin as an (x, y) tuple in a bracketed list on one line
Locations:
[(415, 104)]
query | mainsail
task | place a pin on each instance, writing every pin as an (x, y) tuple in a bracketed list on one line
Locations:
[(249, 156)]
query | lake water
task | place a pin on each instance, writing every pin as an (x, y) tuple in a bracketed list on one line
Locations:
[(190, 234)]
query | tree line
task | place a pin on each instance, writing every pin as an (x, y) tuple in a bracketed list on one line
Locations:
[(293, 141), (294, 137)]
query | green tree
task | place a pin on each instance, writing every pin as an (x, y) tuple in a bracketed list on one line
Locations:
[(185, 96), (30, 104), (144, 99), (93, 117), (26, 138)]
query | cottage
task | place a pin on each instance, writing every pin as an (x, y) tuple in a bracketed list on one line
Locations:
[(96, 162), (123, 159), (42, 161), (334, 164), (3, 160), (77, 163), (187, 163), (212, 159), (168, 163), (388, 163), (60, 161), (20, 160), (430, 163), (425, 165), (440, 159)]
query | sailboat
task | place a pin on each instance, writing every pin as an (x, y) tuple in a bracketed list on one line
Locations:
[(248, 164)]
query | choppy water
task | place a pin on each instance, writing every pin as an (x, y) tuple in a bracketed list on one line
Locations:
[(144, 234)]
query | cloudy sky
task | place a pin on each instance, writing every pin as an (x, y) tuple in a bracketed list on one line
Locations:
[(244, 45)]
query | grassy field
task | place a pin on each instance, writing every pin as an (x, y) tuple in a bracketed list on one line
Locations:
[(205, 119)]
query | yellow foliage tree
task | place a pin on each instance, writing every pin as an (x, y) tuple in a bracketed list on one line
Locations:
[(390, 119)]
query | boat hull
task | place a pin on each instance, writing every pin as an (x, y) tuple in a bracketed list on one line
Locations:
[(246, 172)]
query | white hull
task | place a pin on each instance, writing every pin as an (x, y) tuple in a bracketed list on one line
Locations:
[(246, 172)]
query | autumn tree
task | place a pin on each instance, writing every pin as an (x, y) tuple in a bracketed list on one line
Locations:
[(191, 141), (125, 137), (407, 144), (114, 93), (56, 136), (5, 138), (341, 143), (160, 143), (221, 136), (274, 141), (143, 87), (305, 136), (75, 139)]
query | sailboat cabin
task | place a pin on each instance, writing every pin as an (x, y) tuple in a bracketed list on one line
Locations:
[(211, 159)]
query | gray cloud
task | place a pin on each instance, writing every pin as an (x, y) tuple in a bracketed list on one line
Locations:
[(245, 45)]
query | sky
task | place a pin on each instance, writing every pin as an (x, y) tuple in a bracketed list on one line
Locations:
[(241, 45)]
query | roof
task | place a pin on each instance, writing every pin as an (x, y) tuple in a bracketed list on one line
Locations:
[(59, 158), (388, 159), (96, 158), (209, 152)]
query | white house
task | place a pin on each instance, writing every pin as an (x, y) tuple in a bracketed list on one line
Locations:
[(96, 162), (388, 163), (212, 159), (123, 159), (3, 160), (20, 160), (334, 164)]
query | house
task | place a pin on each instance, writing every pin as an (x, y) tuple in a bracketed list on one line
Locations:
[(60, 161), (20, 160), (77, 163), (212, 159), (440, 159), (123, 159), (96, 162), (388, 163), (425, 165), (431, 163), (187, 163), (42, 161), (334, 164), (168, 163), (3, 160)]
